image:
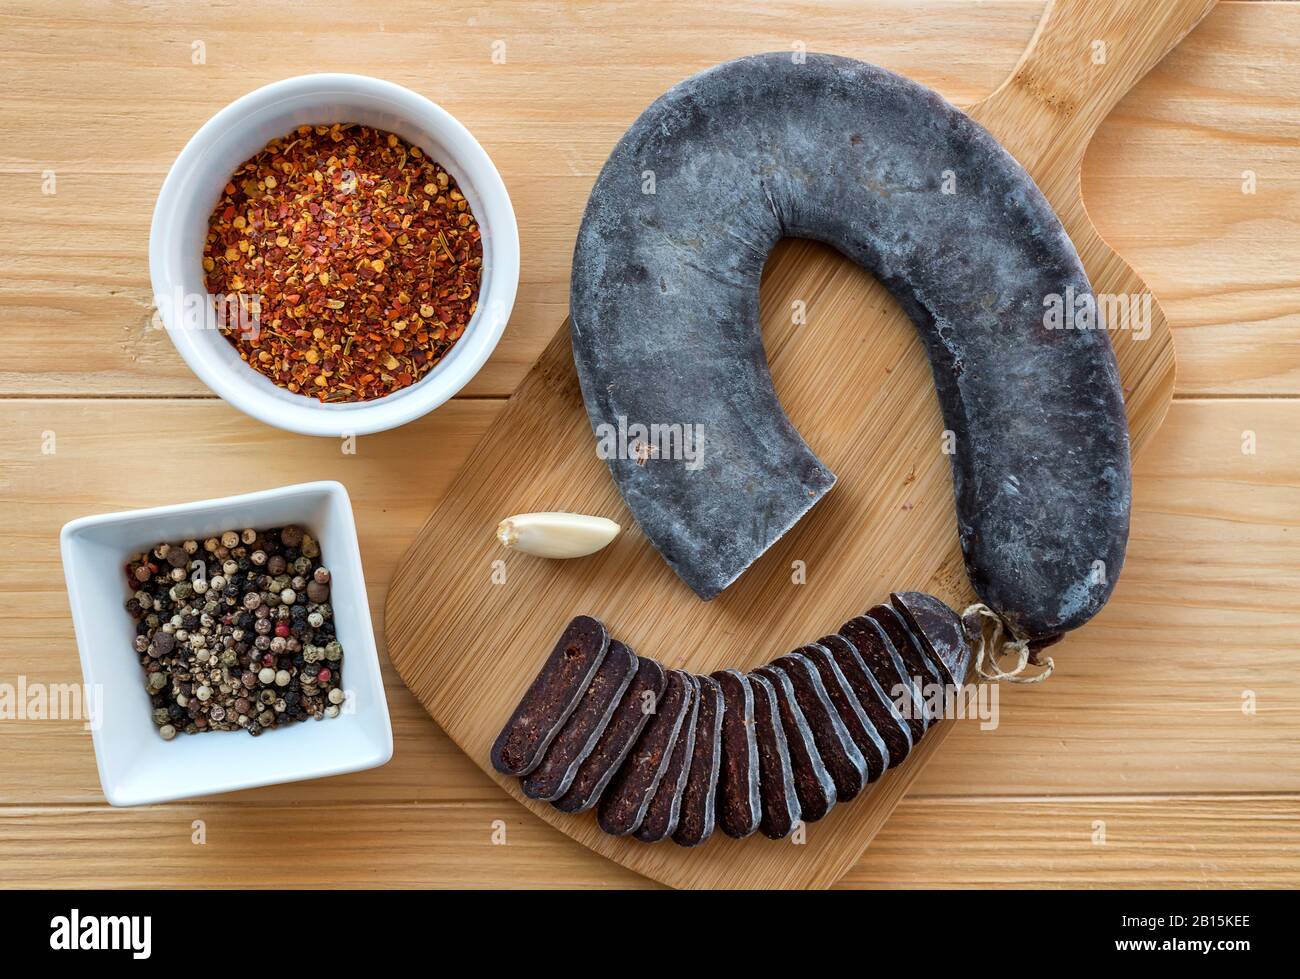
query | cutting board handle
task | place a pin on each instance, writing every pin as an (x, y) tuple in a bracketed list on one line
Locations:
[(1083, 58)]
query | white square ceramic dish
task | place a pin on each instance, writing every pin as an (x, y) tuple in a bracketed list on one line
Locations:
[(137, 766)]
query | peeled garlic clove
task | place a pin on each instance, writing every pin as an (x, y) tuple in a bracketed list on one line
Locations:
[(557, 535)]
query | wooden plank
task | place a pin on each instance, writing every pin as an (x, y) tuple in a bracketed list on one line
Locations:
[(74, 285), (1178, 150), (1108, 842), (1193, 616), (261, 846), (1251, 841)]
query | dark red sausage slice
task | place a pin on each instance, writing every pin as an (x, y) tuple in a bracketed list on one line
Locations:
[(665, 807), (696, 819), (552, 778), (775, 779), (631, 715), (856, 722), (813, 785), (940, 630), (551, 698), (887, 667), (884, 715), (923, 672), (739, 806), (843, 759), (625, 801)]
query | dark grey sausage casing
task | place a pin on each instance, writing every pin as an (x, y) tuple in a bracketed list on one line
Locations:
[(551, 698), (665, 328)]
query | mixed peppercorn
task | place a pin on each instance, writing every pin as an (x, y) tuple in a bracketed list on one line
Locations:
[(362, 254), (236, 631)]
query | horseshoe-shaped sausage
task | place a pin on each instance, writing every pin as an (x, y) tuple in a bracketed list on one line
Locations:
[(665, 328)]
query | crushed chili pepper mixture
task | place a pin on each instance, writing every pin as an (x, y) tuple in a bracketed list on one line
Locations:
[(363, 254)]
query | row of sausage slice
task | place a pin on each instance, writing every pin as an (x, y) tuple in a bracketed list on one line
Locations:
[(665, 754)]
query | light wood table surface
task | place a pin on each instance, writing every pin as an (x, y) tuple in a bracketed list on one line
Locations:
[(1136, 765)]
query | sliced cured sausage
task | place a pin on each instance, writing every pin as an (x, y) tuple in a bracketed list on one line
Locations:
[(813, 785), (776, 779), (923, 672), (696, 818), (880, 710), (859, 725), (552, 778), (630, 717), (551, 698), (940, 630), (665, 807), (842, 758), (888, 668), (739, 806), (625, 801)]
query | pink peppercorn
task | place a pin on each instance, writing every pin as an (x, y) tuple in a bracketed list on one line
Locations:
[(324, 675), (268, 659), (282, 630)]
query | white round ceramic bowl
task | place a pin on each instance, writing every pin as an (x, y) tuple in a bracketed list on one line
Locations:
[(237, 132)]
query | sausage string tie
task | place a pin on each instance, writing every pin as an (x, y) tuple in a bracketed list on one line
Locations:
[(993, 642)]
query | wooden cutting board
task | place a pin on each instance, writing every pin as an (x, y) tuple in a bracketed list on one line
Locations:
[(468, 623)]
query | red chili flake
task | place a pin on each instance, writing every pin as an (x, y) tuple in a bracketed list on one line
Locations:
[(358, 255)]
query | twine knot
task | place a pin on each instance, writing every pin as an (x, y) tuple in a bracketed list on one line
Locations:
[(994, 640)]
